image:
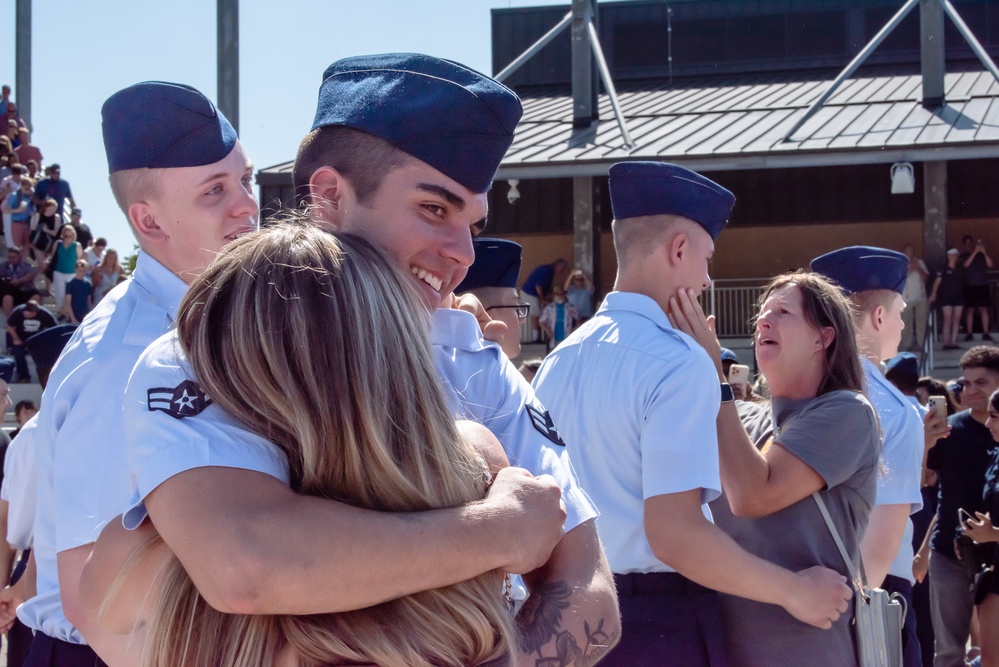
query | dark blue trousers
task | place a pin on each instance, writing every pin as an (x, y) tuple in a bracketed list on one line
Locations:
[(667, 620), (912, 654), (46, 651)]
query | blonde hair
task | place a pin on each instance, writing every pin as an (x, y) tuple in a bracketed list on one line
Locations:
[(357, 408)]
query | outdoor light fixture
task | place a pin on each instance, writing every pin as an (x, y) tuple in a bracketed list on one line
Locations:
[(903, 179), (513, 196)]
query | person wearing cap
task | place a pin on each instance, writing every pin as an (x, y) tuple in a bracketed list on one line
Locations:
[(637, 400), (947, 292), (492, 279), (902, 370), (53, 187), (402, 152), (874, 279), (184, 183)]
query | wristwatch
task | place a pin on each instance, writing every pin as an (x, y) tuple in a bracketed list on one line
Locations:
[(727, 395)]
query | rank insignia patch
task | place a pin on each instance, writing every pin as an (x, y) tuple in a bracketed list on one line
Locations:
[(185, 400), (544, 425)]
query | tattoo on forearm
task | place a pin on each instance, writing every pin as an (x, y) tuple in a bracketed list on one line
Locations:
[(540, 620)]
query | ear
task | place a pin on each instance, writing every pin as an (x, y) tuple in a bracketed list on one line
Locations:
[(877, 317), (143, 220), (826, 337), (328, 195), (677, 248)]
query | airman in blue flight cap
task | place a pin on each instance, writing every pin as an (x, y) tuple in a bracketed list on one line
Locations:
[(185, 186), (402, 152), (492, 278), (874, 279)]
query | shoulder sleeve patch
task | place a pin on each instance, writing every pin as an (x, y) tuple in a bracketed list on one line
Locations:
[(185, 400), (544, 425)]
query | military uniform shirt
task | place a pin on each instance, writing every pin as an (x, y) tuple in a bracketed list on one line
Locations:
[(483, 386), (19, 486), (161, 445), (172, 426), (636, 402), (901, 457), (82, 482)]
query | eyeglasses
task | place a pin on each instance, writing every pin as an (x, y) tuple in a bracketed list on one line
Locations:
[(522, 309)]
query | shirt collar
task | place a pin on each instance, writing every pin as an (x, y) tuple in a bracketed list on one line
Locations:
[(165, 287), (636, 303), (451, 327)]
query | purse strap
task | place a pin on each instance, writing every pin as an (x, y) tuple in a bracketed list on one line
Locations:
[(839, 544)]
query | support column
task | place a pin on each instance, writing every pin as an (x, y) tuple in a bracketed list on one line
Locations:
[(22, 61), (935, 214), (227, 42), (932, 62), (585, 231), (583, 108)]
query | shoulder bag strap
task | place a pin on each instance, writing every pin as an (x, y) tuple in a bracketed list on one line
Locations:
[(839, 543)]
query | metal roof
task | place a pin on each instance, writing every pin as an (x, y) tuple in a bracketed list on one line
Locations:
[(740, 123)]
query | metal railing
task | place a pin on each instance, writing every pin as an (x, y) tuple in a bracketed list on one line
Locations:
[(734, 304)]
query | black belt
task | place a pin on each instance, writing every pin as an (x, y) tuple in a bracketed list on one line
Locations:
[(636, 583)]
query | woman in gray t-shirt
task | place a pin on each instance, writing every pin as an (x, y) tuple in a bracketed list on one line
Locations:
[(821, 435)]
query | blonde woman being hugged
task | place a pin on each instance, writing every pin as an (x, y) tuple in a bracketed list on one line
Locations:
[(106, 274), (820, 435), (252, 330)]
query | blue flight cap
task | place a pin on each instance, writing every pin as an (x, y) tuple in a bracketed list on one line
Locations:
[(729, 355), (904, 363), (6, 369), (455, 119), (158, 125), (497, 264), (861, 268), (658, 188)]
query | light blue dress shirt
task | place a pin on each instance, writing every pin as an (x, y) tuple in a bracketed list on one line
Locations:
[(636, 402), (901, 457)]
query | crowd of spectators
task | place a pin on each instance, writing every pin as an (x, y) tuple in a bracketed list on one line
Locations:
[(51, 252)]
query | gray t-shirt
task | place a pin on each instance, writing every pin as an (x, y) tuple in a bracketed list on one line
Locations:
[(837, 435)]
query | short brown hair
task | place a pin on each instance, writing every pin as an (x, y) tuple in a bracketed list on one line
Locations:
[(981, 356), (362, 158)]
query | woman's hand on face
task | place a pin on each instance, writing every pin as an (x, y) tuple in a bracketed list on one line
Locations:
[(982, 530), (685, 314)]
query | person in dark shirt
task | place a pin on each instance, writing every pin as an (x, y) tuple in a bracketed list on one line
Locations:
[(961, 461), (976, 263), (79, 294), (23, 323), (53, 187)]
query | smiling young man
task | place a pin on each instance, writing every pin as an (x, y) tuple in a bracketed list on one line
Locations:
[(874, 279), (184, 182), (637, 401), (402, 152)]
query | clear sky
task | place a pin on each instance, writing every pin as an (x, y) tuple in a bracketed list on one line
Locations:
[(82, 52)]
